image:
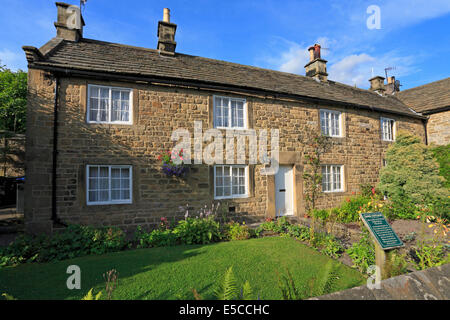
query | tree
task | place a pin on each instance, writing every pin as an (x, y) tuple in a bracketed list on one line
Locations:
[(13, 100), (411, 177)]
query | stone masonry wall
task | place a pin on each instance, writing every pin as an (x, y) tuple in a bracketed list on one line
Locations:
[(438, 128), (157, 111), (12, 155)]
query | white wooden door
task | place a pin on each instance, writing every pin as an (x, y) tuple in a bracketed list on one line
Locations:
[(284, 191)]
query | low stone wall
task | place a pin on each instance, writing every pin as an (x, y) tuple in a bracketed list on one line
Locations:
[(430, 284)]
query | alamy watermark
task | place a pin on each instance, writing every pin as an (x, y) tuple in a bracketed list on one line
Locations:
[(74, 280), (374, 279), (374, 20), (214, 152)]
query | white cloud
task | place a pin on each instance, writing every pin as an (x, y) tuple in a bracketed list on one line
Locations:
[(401, 13), (294, 58), (13, 60), (353, 69), (357, 68)]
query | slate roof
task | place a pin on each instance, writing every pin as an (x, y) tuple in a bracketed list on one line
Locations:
[(110, 58), (430, 97)]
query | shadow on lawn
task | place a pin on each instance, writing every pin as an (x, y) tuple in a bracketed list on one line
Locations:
[(48, 281)]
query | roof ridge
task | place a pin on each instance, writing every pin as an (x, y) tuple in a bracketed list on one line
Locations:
[(229, 63), (426, 84)]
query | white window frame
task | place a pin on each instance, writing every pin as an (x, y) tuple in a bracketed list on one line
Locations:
[(330, 123), (110, 201), (244, 101), (341, 174), (393, 130), (110, 88), (246, 195)]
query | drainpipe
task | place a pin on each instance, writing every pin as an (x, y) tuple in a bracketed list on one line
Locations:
[(55, 218), (425, 122)]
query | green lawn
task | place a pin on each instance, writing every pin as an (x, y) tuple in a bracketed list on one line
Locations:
[(170, 272)]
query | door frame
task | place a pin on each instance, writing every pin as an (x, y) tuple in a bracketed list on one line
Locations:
[(294, 159)]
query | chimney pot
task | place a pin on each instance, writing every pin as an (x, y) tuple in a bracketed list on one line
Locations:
[(166, 15)]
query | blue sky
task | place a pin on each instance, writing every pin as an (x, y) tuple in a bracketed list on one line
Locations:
[(414, 36)]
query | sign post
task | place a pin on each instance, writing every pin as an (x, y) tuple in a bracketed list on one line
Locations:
[(384, 238)]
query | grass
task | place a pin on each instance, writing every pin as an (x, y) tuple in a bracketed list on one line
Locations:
[(171, 272)]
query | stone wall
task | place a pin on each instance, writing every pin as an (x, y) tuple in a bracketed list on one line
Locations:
[(157, 111), (12, 155), (429, 284), (438, 128)]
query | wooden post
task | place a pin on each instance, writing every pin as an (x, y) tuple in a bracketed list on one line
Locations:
[(380, 261)]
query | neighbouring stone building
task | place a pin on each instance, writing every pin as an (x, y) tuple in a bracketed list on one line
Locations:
[(12, 154), (100, 114), (433, 101)]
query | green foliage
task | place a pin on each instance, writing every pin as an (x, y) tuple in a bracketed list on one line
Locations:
[(362, 253), (328, 280), (8, 296), (198, 231), (278, 226), (91, 296), (396, 264), (154, 238), (430, 254), (442, 155), (326, 243), (315, 286), (74, 241), (13, 100), (227, 288), (411, 177), (348, 211), (288, 288), (236, 231), (301, 233)]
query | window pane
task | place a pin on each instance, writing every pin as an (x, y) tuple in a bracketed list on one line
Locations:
[(93, 196)]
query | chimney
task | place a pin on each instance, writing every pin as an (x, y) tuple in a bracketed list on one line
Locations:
[(377, 84), (166, 35), (69, 24), (316, 67), (392, 86)]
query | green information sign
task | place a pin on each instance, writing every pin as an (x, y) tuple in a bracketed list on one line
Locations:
[(381, 230)]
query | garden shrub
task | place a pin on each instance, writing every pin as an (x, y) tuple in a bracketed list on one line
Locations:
[(411, 177), (301, 233), (348, 211), (442, 154), (198, 231), (430, 254), (74, 241), (278, 226), (396, 264), (362, 253), (236, 231), (154, 238)]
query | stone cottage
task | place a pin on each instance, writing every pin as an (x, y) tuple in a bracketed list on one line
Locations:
[(100, 114), (433, 101)]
